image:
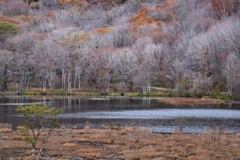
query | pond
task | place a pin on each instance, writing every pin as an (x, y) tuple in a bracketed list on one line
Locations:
[(128, 111)]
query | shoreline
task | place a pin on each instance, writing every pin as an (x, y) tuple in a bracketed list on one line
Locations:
[(158, 93)]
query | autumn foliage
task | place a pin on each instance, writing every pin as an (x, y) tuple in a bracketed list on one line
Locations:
[(118, 45), (225, 7), (103, 31)]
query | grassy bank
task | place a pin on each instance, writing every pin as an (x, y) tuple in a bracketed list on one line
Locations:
[(61, 92), (124, 143), (171, 95), (88, 92)]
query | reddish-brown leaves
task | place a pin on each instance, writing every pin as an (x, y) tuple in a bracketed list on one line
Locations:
[(225, 7), (103, 31)]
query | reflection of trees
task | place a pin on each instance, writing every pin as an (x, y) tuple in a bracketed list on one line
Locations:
[(146, 102)]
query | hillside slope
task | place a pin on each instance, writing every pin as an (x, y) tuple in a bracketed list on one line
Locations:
[(118, 45)]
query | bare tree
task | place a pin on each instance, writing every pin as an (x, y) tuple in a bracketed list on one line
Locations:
[(14, 7), (5, 66), (24, 68), (232, 72), (125, 67)]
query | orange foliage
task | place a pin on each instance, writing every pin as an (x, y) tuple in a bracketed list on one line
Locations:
[(51, 14), (141, 19), (103, 31), (24, 18), (32, 19), (144, 20), (84, 37), (81, 3), (2, 2), (9, 19)]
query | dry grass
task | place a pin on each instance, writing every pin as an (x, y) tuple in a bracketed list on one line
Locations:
[(186, 101), (20, 128), (18, 138), (128, 143), (69, 145), (5, 130)]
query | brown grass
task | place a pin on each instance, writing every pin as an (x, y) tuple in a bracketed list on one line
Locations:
[(128, 143), (18, 138), (5, 130), (70, 145), (189, 101)]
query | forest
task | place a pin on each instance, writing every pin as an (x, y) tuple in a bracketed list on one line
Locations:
[(190, 46)]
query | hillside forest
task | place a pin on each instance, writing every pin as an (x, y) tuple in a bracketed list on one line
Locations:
[(190, 46)]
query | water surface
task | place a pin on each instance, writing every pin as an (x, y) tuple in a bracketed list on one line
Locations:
[(125, 111)]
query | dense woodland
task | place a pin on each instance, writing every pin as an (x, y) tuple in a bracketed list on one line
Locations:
[(191, 46)]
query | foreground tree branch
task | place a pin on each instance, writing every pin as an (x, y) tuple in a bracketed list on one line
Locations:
[(38, 119)]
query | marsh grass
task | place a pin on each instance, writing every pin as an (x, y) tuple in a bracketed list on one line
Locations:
[(130, 143), (5, 128), (88, 92), (38, 91)]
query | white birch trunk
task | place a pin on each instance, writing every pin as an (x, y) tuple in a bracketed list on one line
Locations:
[(33, 153), (69, 84), (44, 85), (63, 78)]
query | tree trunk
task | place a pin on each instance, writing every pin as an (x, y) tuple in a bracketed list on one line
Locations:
[(77, 79), (122, 88), (44, 85), (144, 90), (63, 78), (51, 79), (107, 90), (69, 84), (4, 84), (33, 149)]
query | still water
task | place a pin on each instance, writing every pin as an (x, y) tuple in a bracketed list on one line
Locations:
[(125, 111)]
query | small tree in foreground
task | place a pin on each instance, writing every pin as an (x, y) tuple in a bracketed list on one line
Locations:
[(38, 119)]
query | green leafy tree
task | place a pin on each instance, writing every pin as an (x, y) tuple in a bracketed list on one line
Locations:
[(38, 119), (6, 30)]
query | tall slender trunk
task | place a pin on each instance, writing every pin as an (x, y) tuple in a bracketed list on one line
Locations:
[(108, 86), (63, 78), (148, 86), (77, 79), (4, 83), (122, 88), (22, 82), (33, 149), (51, 79), (144, 90), (44, 85), (69, 84)]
